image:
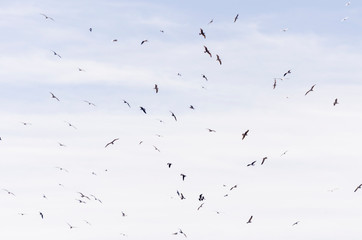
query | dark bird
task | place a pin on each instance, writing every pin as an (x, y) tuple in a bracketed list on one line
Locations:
[(62, 169), (53, 96), (25, 123), (335, 102), (124, 101), (80, 201), (10, 193), (295, 223), (81, 70), (112, 142), (169, 165), (211, 130), (156, 88), (179, 74), (207, 51), (156, 148), (359, 186), (235, 186), (61, 144), (202, 33), (211, 21), (181, 232), (245, 134), (90, 29), (70, 226), (218, 59), (251, 164), (284, 153), (201, 197), (95, 198), (275, 83), (264, 158), (310, 90), (41, 215), (83, 195), (56, 54), (180, 195), (183, 176), (200, 206), (89, 103), (249, 221), (123, 214), (288, 72), (236, 17), (70, 125), (114, 40), (192, 107), (144, 41), (173, 115), (143, 109), (47, 17), (162, 31), (203, 76)]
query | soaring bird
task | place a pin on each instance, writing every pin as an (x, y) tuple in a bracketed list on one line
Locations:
[(90, 29), (344, 19), (310, 90), (335, 102), (201, 197), (143, 109), (123, 214), (264, 158), (251, 164), (41, 215), (249, 221), (61, 144), (203, 76), (218, 59), (192, 107), (70, 226), (183, 176), (275, 83), (158, 150), (56, 54), (210, 130), (288, 72), (211, 21), (284, 153), (295, 223), (359, 186), (207, 51), (180, 195), (348, 3), (202, 33), (25, 123), (84, 196), (70, 125), (144, 41), (53, 96), (47, 17), (236, 17), (62, 169), (245, 134), (200, 206), (156, 88), (173, 115), (235, 186), (169, 165), (10, 193), (89, 103), (111, 142), (124, 101)]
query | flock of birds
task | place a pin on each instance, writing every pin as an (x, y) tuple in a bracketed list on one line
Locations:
[(84, 198)]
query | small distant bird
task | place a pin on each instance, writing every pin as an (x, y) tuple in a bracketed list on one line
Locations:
[(156, 88), (288, 72), (183, 176), (359, 186), (162, 31), (264, 158), (200, 206), (173, 115), (344, 19), (47, 17), (203, 76), (123, 214), (25, 123), (335, 102), (114, 40), (235, 186), (181, 232), (201, 197), (124, 101), (284, 153), (10, 193), (41, 215), (202, 33), (70, 125), (89, 103), (61, 144), (245, 134), (236, 17), (295, 223), (218, 59), (249, 221), (111, 142), (144, 41), (275, 83), (310, 90), (90, 29), (179, 74), (211, 21), (285, 29), (81, 70), (156, 148), (80, 201), (169, 165), (70, 226), (210, 130), (207, 51), (143, 109), (56, 54), (348, 3), (62, 169), (192, 107), (53, 96), (87, 222), (251, 164)]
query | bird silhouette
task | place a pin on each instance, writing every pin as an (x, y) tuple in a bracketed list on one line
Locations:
[(200, 206), (111, 142), (235, 186), (207, 51), (211, 21), (124, 101), (90, 29), (144, 41), (70, 125), (41, 215), (218, 59), (236, 17), (295, 223), (249, 221), (61, 144), (183, 176), (143, 109), (288, 72), (192, 107), (358, 187), (335, 102), (47, 17), (53, 96), (89, 103), (156, 148), (210, 130), (275, 83), (203, 76), (56, 54), (251, 164), (202, 33), (245, 134), (310, 90), (169, 165), (71, 226), (62, 169), (123, 214), (156, 88), (201, 197), (10, 193), (264, 158), (173, 115)]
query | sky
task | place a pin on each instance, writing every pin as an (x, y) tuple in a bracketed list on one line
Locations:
[(52, 151)]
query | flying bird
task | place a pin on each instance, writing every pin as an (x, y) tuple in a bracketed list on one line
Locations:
[(41, 215), (211, 21), (210, 130), (218, 59), (70, 226), (288, 72), (53, 96), (156, 148), (169, 165), (173, 115), (183, 176), (192, 107), (124, 101), (202, 33), (245, 134), (275, 83), (144, 41), (10, 193), (90, 29), (200, 206), (236, 17), (264, 158), (156, 88), (284, 29), (235, 186), (25, 123), (203, 76), (344, 19), (348, 3), (251, 164), (207, 51), (201, 197), (89, 103), (70, 125), (61, 144), (143, 109), (84, 196), (310, 90), (359, 186), (335, 102), (123, 214), (111, 142), (47, 17), (56, 54), (284, 153), (62, 169), (249, 221), (295, 223)]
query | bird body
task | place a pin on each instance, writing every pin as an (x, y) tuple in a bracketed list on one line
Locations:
[(156, 88), (245, 134), (207, 51), (218, 59), (143, 110), (249, 221), (111, 142), (236, 17), (202, 33), (310, 90), (335, 102)]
